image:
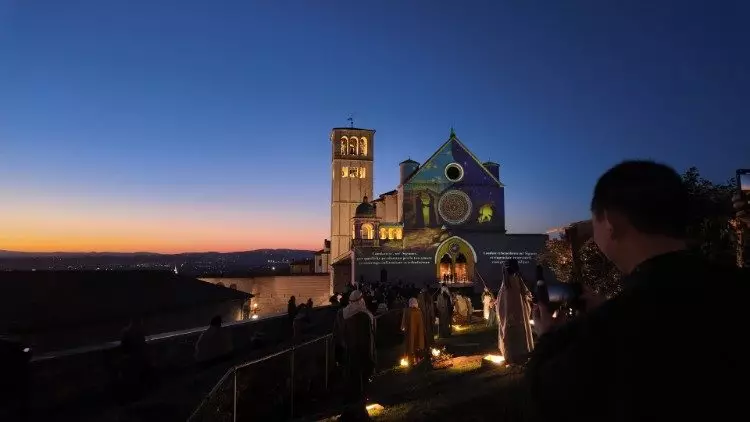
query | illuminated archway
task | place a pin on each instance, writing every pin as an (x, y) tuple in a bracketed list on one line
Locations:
[(344, 145), (445, 268), (368, 232), (363, 146), (461, 257), (353, 145)]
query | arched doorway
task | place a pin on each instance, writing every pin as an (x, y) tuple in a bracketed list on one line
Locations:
[(455, 259), (446, 268), (461, 268)]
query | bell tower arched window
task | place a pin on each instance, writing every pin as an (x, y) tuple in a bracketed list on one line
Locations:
[(368, 232), (344, 145), (353, 145), (363, 146)]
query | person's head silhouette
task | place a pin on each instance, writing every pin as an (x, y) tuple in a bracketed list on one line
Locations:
[(639, 209)]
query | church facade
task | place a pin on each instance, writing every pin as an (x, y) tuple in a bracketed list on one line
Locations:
[(443, 223)]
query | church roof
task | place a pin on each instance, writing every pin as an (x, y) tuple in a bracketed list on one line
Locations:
[(453, 138), (365, 209), (408, 160)]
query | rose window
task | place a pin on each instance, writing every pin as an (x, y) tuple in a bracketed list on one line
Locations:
[(454, 207)]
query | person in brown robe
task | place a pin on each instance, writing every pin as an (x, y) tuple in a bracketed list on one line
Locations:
[(413, 327), (515, 340), (427, 306)]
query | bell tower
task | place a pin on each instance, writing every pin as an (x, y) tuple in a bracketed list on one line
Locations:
[(351, 170)]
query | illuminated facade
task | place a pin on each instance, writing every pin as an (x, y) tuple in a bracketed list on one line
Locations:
[(351, 180), (445, 222)]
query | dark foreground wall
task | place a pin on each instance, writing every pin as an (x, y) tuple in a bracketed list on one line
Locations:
[(83, 377)]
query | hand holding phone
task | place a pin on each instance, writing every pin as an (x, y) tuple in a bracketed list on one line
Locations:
[(741, 200)]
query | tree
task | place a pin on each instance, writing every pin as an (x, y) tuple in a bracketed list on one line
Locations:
[(712, 231), (713, 228), (598, 272), (558, 257)]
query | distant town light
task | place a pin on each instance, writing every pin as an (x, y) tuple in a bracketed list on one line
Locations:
[(255, 316), (435, 352), (273, 268), (404, 362)]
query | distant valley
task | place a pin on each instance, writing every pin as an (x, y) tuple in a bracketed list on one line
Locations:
[(193, 263)]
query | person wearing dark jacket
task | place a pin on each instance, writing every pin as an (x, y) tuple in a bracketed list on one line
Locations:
[(665, 347)]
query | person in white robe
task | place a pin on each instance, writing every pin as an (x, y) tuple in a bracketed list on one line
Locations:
[(515, 339)]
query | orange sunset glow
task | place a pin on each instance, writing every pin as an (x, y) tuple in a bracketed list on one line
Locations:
[(34, 226)]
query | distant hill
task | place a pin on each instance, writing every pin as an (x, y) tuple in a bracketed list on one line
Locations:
[(195, 263), (17, 254)]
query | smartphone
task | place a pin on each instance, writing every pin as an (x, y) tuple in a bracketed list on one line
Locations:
[(564, 292), (743, 181)]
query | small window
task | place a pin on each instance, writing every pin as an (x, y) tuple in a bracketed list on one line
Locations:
[(399, 234), (353, 172), (344, 171), (383, 233), (454, 172), (361, 172)]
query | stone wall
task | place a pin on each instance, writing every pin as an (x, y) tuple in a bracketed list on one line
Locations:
[(273, 292), (85, 375)]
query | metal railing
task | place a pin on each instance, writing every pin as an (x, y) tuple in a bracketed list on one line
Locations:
[(267, 387), (277, 386)]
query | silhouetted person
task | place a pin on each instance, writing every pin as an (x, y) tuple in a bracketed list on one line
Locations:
[(445, 312), (427, 305), (291, 312), (135, 372), (301, 321), (309, 304), (619, 361), (214, 344), (358, 333)]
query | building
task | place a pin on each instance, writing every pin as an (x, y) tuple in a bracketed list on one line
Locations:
[(323, 258), (303, 266), (444, 222), (55, 310)]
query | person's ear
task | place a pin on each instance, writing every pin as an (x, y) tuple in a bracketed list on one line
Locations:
[(616, 224)]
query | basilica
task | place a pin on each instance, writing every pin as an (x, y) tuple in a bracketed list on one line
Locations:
[(443, 223)]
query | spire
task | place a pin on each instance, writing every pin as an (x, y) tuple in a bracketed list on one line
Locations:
[(453, 133)]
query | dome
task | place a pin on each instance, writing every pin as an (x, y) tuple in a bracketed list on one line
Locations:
[(365, 209)]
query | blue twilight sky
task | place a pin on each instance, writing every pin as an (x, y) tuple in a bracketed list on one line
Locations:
[(175, 125)]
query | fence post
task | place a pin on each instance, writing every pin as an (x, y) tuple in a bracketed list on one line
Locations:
[(326, 382), (234, 398), (291, 384)]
